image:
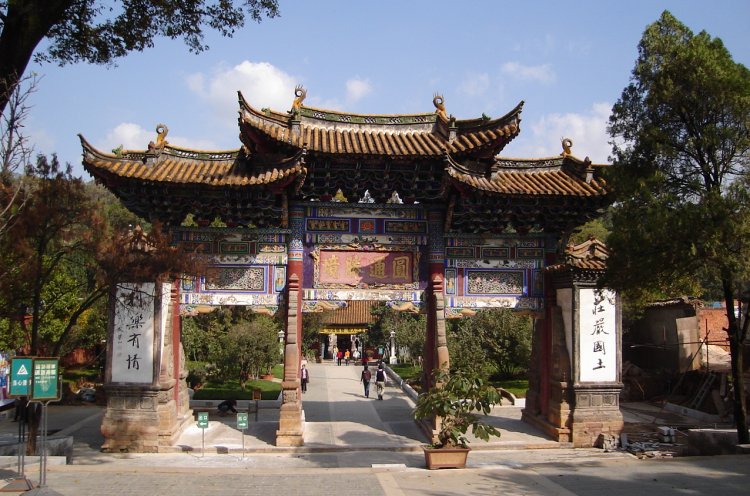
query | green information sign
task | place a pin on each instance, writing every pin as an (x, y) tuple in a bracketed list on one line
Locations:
[(46, 380), (203, 420), (242, 420), (20, 377)]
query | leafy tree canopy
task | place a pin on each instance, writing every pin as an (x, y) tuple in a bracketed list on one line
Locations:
[(100, 32), (493, 342), (681, 223)]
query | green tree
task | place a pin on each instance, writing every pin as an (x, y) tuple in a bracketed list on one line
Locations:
[(312, 324), (411, 334), (248, 349), (494, 341), (100, 32), (681, 134)]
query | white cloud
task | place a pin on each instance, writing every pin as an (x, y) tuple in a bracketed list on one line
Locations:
[(540, 73), (134, 137), (262, 85), (588, 131), (356, 89), (474, 84), (130, 136)]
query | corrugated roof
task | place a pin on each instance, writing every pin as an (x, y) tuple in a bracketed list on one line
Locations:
[(591, 255), (356, 312), (556, 176), (400, 135), (181, 166)]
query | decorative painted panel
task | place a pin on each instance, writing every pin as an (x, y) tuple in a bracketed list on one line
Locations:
[(361, 294), (537, 282), (336, 225), (391, 211), (494, 264), (367, 226), (450, 281), (398, 226), (460, 252), (279, 279), (236, 278), (235, 248), (478, 302), (271, 248), (495, 252), (495, 282), (530, 252)]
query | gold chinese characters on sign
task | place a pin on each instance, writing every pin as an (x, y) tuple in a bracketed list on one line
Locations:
[(354, 268)]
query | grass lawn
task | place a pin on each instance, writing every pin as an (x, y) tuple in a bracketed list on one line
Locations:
[(75, 376), (231, 389), (516, 386), (407, 371)]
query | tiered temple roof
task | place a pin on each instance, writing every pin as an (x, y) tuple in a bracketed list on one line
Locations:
[(312, 154)]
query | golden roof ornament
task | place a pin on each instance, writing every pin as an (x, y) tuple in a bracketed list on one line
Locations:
[(439, 103), (567, 144), (340, 198), (300, 93), (161, 138)]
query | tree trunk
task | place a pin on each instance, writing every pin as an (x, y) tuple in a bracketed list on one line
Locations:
[(735, 350), (26, 24)]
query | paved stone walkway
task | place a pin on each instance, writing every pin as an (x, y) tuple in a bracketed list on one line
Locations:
[(361, 446)]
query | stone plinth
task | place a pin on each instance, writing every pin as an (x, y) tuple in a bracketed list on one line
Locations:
[(291, 424), (597, 411)]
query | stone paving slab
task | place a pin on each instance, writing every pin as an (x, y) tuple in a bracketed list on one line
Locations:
[(364, 446)]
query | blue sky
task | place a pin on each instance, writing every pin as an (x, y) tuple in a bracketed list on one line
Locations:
[(569, 62)]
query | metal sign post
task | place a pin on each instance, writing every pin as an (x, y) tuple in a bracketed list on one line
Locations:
[(203, 425), (242, 425), (37, 379), (45, 388)]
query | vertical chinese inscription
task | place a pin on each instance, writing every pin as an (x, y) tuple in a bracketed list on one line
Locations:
[(597, 336), (133, 334)]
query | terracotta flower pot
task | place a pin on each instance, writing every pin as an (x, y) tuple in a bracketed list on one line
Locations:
[(445, 457)]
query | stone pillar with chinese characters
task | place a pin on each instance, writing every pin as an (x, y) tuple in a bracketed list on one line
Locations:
[(144, 412), (587, 338)]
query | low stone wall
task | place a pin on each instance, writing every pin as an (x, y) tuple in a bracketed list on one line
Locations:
[(702, 442), (56, 446), (394, 377)]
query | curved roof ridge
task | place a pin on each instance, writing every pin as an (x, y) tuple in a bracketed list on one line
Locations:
[(561, 156), (271, 115), (168, 149), (339, 112), (481, 122)]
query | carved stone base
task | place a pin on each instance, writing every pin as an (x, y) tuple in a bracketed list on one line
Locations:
[(141, 420), (556, 432), (597, 412), (291, 422)]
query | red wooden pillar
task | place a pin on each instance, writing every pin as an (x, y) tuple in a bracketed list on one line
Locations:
[(545, 353), (436, 220)]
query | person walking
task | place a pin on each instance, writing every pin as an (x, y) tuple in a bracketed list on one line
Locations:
[(381, 379), (365, 378), (346, 357), (304, 376), (339, 356)]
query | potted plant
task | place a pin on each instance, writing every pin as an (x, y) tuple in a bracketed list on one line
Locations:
[(452, 404)]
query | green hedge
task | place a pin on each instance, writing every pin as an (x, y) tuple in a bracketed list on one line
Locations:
[(231, 390)]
